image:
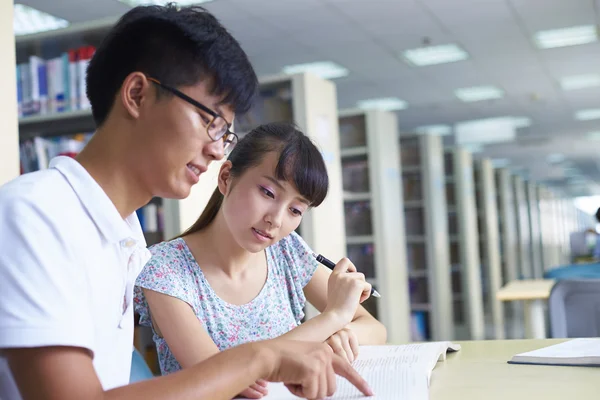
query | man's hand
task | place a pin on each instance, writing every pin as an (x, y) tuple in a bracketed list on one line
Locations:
[(308, 369), (345, 344)]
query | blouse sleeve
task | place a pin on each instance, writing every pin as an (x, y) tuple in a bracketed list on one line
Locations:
[(166, 272), (297, 266)]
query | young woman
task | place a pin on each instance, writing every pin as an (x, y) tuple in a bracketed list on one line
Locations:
[(241, 274)]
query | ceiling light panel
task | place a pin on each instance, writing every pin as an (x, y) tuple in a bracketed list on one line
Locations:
[(323, 69), (521, 122), (440, 130), (134, 3), (433, 55), (500, 162), (28, 20), (479, 93), (575, 82), (572, 36), (386, 104), (593, 136), (588, 115)]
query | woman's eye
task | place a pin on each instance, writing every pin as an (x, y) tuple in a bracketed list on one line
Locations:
[(267, 192), (296, 212)]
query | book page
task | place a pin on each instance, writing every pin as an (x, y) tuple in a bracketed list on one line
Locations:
[(402, 384), (393, 372), (576, 348)]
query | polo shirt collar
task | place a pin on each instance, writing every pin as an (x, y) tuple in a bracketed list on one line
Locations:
[(97, 203)]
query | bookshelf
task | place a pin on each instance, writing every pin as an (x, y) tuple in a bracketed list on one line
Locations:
[(426, 219), (507, 221), (533, 207), (464, 245), (9, 139), (374, 220), (550, 255), (509, 247), (563, 238), (523, 230), (56, 124), (310, 102), (489, 236)]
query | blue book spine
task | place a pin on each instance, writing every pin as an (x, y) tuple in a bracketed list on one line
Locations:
[(19, 91)]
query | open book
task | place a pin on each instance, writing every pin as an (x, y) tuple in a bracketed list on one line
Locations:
[(576, 352), (393, 372)]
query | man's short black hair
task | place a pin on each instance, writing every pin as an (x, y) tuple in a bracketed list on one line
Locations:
[(180, 46)]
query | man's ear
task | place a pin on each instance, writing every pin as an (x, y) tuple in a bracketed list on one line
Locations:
[(224, 178), (134, 91)]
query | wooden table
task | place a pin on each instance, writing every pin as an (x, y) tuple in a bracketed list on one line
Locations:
[(480, 371), (535, 293)]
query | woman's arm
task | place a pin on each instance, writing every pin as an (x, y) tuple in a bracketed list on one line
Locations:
[(346, 288), (175, 321), (367, 329), (190, 343)]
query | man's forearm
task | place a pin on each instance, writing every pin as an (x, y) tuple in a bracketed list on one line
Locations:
[(221, 376)]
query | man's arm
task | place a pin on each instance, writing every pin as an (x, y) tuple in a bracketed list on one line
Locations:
[(66, 373)]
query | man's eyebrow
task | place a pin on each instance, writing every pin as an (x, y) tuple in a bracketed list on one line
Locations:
[(277, 183)]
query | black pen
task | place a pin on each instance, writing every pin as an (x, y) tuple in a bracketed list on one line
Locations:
[(329, 264)]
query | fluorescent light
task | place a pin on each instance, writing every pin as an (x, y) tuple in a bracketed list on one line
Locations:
[(566, 36), (473, 147), (593, 135), (28, 20), (134, 3), (500, 162), (488, 130), (432, 55), (555, 158), (386, 103), (439, 130), (575, 82), (571, 172), (521, 122), (478, 93), (588, 115), (323, 69)]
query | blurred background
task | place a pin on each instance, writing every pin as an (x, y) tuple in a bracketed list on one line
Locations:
[(462, 134)]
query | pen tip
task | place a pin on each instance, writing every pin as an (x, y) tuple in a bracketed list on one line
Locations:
[(314, 255), (376, 293)]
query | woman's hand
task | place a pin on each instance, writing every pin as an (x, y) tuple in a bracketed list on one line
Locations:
[(346, 289), (344, 343), (256, 391)]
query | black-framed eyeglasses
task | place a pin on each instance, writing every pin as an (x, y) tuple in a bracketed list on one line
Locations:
[(217, 128)]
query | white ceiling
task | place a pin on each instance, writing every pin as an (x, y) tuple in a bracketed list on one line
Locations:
[(367, 37)]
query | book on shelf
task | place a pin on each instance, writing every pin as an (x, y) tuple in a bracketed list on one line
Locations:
[(54, 85), (393, 372), (36, 153), (583, 352)]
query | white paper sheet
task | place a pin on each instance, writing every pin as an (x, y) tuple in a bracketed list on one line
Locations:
[(576, 348)]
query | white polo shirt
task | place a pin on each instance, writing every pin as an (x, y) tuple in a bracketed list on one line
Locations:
[(68, 263)]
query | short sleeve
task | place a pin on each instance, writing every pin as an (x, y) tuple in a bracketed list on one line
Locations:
[(43, 299), (166, 272), (296, 266), (301, 263)]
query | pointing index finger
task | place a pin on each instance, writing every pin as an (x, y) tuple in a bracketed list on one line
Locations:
[(344, 369)]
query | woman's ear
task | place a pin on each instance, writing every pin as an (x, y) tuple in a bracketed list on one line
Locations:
[(224, 178)]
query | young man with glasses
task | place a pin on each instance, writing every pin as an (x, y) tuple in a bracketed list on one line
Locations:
[(164, 87)]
